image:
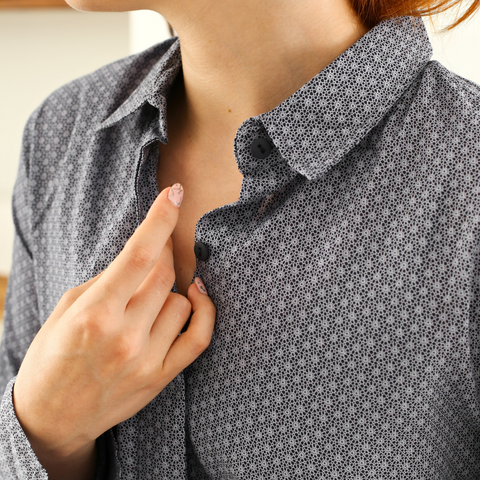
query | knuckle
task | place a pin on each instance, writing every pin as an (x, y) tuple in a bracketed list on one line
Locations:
[(92, 325), (201, 343), (99, 315), (104, 310), (181, 304), (69, 296), (141, 257), (125, 348)]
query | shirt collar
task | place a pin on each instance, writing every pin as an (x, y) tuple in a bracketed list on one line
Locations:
[(154, 87), (328, 116)]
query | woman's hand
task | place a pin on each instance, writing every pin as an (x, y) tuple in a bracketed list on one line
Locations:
[(111, 344)]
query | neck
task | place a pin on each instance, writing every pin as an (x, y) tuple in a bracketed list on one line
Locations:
[(241, 59)]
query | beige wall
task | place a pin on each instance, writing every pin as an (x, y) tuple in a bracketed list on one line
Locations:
[(41, 50)]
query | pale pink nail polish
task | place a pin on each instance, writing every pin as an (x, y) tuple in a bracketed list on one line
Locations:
[(175, 195), (201, 285)]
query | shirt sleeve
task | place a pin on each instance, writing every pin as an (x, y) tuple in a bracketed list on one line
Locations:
[(21, 324)]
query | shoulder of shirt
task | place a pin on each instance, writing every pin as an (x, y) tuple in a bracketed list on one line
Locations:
[(450, 120), (94, 96), (456, 94)]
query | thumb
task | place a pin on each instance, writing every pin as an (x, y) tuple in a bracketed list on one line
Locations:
[(190, 344), (198, 296)]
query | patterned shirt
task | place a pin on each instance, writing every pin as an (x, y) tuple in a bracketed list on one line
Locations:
[(346, 276)]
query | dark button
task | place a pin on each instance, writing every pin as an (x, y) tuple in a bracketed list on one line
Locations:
[(260, 148), (201, 251)]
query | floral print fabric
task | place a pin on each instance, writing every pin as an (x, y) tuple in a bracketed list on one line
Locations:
[(345, 277)]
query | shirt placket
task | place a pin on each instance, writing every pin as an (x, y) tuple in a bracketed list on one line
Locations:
[(265, 174)]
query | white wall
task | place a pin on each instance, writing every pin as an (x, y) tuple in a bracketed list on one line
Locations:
[(41, 50), (458, 50), (146, 29)]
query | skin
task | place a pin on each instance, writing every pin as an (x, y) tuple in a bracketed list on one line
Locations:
[(243, 58), (239, 59), (113, 341)]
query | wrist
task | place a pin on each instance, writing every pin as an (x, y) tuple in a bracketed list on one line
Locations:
[(62, 457), (78, 465)]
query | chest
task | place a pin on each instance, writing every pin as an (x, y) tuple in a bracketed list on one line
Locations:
[(206, 187)]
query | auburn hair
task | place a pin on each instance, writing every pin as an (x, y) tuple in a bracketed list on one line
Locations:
[(372, 12)]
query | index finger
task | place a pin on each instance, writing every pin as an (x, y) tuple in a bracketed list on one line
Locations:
[(142, 250)]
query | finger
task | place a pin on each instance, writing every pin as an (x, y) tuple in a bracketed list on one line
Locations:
[(167, 325), (143, 249), (190, 344), (150, 297)]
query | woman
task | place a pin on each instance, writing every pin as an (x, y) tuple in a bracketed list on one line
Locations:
[(332, 191)]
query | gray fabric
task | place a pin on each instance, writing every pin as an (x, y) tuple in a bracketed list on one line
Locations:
[(345, 277)]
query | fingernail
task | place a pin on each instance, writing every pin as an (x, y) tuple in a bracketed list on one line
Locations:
[(175, 195), (201, 285)]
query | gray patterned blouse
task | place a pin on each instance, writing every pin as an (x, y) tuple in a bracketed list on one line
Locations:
[(345, 277)]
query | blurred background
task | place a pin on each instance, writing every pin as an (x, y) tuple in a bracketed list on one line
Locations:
[(46, 43)]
